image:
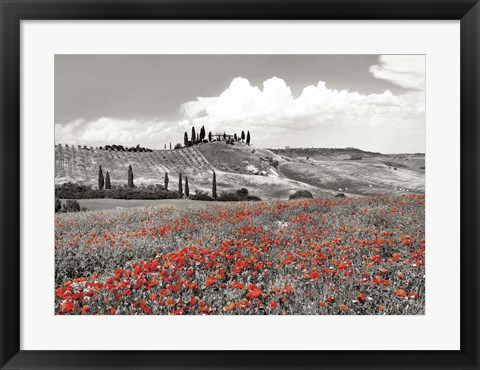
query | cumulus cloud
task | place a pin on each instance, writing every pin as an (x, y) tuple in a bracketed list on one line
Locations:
[(319, 116), (407, 71), (107, 130), (316, 107)]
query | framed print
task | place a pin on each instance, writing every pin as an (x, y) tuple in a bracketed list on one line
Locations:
[(239, 185)]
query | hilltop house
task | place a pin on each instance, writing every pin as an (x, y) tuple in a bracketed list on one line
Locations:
[(222, 136)]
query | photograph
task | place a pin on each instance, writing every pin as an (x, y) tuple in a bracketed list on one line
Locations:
[(239, 184)]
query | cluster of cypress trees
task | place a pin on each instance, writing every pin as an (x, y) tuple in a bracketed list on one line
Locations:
[(104, 182), (196, 138)]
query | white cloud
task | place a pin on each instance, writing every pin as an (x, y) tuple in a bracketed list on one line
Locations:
[(407, 71), (318, 106), (320, 116), (107, 130)]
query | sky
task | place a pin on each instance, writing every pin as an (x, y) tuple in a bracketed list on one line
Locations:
[(371, 102)]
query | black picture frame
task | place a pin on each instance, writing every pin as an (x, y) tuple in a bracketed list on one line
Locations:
[(12, 12)]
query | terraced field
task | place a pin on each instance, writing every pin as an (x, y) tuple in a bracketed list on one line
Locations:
[(261, 171), (81, 165)]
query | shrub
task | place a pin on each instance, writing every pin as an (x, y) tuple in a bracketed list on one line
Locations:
[(340, 195), (141, 193), (58, 205), (75, 191), (200, 195), (301, 194), (71, 206), (242, 192), (241, 195)]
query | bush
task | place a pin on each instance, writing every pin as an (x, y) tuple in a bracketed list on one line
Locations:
[(200, 195), (340, 195), (241, 195), (75, 191), (301, 194), (141, 193), (242, 192), (58, 205), (72, 206)]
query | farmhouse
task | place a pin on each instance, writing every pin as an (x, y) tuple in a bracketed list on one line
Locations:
[(222, 136)]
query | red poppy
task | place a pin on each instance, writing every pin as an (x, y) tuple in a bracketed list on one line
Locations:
[(412, 295)]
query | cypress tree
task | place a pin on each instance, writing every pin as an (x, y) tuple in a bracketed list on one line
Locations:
[(100, 178), (166, 181), (210, 136), (202, 133), (214, 186), (185, 139), (187, 189), (170, 146), (180, 189), (248, 138), (194, 135), (243, 135), (130, 177), (224, 135), (235, 137), (108, 185)]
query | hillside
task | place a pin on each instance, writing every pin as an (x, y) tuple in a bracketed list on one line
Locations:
[(266, 173), (80, 165)]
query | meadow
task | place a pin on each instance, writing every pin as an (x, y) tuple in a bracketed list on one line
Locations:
[(342, 256)]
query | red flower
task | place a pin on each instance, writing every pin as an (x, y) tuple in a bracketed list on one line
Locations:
[(85, 309), (211, 280), (412, 295), (273, 304), (255, 293), (77, 296), (400, 293), (288, 289), (361, 297), (68, 307)]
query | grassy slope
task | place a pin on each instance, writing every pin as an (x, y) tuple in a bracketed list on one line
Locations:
[(237, 164), (356, 177)]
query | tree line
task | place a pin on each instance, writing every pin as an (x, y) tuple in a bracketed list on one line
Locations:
[(104, 182), (130, 191), (201, 137)]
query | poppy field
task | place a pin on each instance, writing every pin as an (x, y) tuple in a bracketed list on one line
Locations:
[(347, 256)]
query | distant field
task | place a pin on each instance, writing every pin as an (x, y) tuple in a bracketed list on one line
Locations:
[(105, 204), (356, 177)]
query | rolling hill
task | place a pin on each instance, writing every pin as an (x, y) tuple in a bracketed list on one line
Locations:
[(266, 173)]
